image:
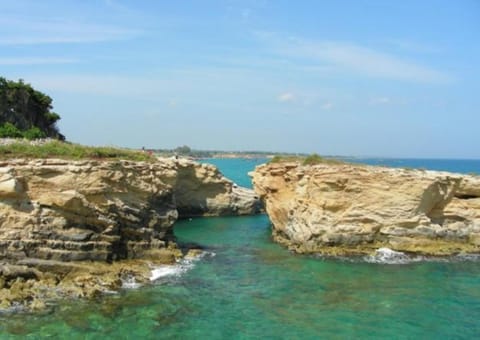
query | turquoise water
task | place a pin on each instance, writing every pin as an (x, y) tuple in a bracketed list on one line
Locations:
[(237, 168), (247, 287)]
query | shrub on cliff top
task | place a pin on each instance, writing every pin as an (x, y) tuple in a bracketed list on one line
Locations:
[(57, 149), (309, 160), (284, 159), (313, 159), (8, 130)]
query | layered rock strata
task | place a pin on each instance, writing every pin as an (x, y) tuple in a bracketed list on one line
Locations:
[(56, 211), (342, 209)]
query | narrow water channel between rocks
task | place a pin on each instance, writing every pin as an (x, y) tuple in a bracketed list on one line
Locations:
[(246, 286)]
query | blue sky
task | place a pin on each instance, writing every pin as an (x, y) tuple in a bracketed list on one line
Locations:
[(376, 78)]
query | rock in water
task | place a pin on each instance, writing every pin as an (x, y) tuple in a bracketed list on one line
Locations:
[(341, 209), (106, 210), (201, 190), (56, 211)]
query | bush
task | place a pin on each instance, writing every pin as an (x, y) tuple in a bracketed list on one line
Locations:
[(8, 130), (285, 159), (34, 133), (313, 159)]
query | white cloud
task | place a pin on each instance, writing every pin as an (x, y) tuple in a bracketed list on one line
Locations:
[(36, 61), (353, 59), (96, 84), (56, 31), (286, 97)]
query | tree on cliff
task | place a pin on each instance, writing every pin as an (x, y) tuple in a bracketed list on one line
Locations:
[(26, 112)]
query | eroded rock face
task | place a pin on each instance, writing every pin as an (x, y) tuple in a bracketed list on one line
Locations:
[(353, 209), (57, 211), (102, 211), (201, 190), (85, 210)]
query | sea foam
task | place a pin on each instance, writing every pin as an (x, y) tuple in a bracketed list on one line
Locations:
[(389, 256), (179, 268)]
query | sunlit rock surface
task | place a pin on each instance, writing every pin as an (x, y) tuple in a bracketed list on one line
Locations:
[(354, 209), (56, 214)]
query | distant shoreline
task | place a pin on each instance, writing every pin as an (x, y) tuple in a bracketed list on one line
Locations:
[(235, 155)]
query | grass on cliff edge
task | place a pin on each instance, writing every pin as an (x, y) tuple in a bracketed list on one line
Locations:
[(57, 149), (309, 160)]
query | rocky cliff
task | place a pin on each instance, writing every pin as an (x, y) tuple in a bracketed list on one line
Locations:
[(340, 209), (55, 211)]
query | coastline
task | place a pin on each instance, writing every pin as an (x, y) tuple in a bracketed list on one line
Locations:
[(79, 227)]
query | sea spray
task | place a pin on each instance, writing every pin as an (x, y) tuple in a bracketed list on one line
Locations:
[(389, 256), (179, 268)]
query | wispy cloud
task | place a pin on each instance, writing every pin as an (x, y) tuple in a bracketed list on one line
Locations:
[(353, 58), (34, 31), (413, 46), (286, 97), (36, 61)]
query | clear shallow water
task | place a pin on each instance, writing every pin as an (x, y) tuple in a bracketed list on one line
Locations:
[(237, 168), (248, 287)]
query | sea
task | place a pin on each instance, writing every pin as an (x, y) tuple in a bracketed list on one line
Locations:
[(244, 286)]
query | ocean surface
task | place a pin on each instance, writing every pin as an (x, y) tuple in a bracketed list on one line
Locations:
[(244, 286), (466, 166)]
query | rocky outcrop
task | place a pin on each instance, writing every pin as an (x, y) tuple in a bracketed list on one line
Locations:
[(86, 210), (201, 190), (69, 211), (340, 209)]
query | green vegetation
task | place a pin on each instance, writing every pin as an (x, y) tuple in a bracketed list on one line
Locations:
[(26, 112), (313, 159), (58, 149), (285, 159), (183, 150), (8, 130), (305, 160)]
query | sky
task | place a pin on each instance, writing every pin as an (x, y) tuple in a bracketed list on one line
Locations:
[(339, 77)]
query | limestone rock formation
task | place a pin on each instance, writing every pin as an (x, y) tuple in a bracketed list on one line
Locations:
[(201, 190), (68, 211), (340, 209), (85, 210)]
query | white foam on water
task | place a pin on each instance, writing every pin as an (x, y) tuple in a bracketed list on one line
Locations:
[(166, 270), (389, 256), (179, 268)]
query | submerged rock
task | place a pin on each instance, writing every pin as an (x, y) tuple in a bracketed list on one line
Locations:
[(340, 209)]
